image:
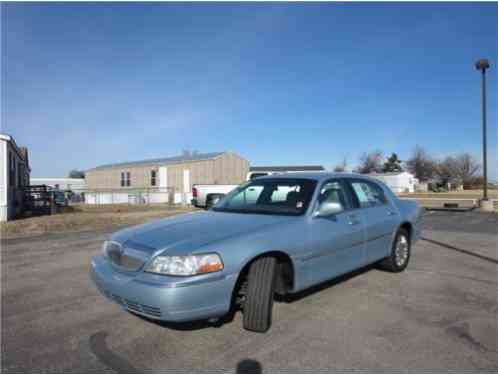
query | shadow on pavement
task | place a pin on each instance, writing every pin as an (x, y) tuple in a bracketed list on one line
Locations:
[(99, 348), (463, 251), (229, 317), (249, 366), (327, 284)]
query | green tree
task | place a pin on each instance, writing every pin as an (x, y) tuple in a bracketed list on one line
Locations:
[(392, 164)]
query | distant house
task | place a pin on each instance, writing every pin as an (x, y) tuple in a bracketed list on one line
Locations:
[(73, 184), (14, 176), (162, 180), (75, 188), (288, 168), (399, 182)]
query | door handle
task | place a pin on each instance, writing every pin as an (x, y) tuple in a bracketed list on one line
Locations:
[(353, 220), (390, 213)]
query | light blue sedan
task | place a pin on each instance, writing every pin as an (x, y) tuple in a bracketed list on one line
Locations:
[(273, 235)]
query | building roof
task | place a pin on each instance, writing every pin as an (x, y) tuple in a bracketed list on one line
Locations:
[(389, 173), (319, 176), (163, 161), (61, 179), (287, 168), (22, 152)]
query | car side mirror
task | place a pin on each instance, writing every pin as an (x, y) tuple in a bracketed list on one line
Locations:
[(328, 209)]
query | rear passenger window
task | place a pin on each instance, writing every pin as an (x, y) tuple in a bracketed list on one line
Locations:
[(368, 193)]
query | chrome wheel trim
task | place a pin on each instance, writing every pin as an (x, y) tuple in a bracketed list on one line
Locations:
[(401, 250)]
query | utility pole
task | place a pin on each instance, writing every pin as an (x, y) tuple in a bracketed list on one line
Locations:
[(482, 65)]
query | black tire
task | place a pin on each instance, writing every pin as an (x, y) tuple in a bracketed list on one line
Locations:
[(258, 304), (210, 199), (395, 263)]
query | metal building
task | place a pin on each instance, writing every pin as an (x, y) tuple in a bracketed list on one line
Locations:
[(162, 180), (74, 184), (399, 182), (14, 177)]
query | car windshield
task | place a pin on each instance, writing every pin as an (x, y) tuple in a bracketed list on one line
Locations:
[(278, 196)]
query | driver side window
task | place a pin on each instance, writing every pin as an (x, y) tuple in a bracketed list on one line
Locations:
[(247, 196)]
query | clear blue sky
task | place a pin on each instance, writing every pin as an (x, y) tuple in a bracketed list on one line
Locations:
[(88, 84)]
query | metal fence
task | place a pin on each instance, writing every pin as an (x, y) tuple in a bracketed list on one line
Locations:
[(135, 196)]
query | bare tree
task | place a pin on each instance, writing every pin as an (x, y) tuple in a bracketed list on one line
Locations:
[(462, 169), (476, 182), (370, 162), (341, 167), (465, 168), (421, 164), (445, 170)]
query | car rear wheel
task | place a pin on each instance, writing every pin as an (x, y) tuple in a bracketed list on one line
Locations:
[(212, 199), (258, 304), (400, 253)]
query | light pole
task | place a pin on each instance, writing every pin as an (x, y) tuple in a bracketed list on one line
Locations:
[(482, 65)]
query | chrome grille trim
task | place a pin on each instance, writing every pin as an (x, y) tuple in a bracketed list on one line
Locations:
[(131, 305)]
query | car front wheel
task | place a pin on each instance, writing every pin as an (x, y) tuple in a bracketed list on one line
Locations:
[(258, 304)]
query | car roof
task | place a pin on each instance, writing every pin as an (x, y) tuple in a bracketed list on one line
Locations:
[(318, 176)]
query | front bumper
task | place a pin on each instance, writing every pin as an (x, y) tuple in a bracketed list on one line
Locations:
[(167, 298)]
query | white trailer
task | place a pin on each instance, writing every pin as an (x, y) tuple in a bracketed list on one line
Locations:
[(398, 182)]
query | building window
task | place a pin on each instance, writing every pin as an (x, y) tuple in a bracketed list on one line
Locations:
[(12, 169), (20, 174), (153, 178), (125, 179)]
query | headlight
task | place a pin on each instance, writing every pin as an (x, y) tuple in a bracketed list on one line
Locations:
[(185, 265)]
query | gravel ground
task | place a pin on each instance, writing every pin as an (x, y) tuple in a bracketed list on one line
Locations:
[(440, 314), (88, 218)]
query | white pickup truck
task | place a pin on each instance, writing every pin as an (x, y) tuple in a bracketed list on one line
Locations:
[(205, 196)]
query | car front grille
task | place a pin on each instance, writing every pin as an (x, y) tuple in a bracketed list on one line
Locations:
[(132, 305)]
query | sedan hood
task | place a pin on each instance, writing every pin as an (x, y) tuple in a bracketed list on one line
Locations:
[(191, 231)]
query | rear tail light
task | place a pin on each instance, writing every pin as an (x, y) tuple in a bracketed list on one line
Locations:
[(194, 192)]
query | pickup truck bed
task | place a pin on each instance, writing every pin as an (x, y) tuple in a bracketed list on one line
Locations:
[(204, 196)]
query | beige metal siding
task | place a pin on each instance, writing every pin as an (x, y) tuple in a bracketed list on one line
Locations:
[(228, 168), (111, 178)]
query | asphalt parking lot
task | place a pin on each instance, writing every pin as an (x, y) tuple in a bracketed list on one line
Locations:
[(440, 314)]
